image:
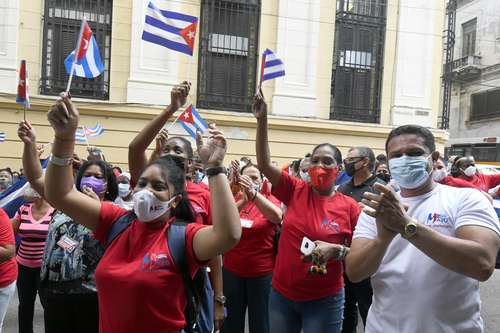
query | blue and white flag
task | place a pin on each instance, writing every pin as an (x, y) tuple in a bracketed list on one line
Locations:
[(191, 121), (12, 198), (272, 67), (2, 136), (172, 30), (84, 133), (90, 65)]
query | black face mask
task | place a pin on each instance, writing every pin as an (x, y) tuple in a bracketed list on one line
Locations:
[(384, 176), (350, 168)]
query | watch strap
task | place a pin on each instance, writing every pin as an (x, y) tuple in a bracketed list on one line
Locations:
[(214, 171), (60, 161)]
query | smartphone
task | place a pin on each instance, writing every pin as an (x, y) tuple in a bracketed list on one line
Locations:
[(307, 246)]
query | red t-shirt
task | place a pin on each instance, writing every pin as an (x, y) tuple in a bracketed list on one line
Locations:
[(140, 288), (8, 269), (254, 255), (479, 181), (199, 198), (458, 182), (330, 219)]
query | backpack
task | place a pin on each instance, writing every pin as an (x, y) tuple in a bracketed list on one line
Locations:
[(199, 312)]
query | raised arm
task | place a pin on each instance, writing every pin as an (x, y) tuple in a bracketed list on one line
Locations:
[(271, 212), (31, 157), (259, 109), (59, 189), (137, 158), (226, 229)]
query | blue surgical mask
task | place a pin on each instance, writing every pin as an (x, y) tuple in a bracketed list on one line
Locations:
[(198, 176), (410, 172), (305, 176)]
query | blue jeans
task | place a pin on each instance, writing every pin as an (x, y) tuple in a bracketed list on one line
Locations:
[(242, 293), (323, 315)]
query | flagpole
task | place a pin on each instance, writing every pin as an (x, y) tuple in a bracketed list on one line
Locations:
[(77, 50), (24, 112), (262, 70)]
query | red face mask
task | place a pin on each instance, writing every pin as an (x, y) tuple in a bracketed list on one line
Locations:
[(322, 178)]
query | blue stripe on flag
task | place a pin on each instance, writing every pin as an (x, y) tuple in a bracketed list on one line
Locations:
[(83, 64), (173, 15), (161, 25), (184, 48), (273, 75), (271, 63), (189, 129), (198, 120)]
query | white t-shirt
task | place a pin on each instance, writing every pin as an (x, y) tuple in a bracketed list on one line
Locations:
[(128, 205), (411, 292)]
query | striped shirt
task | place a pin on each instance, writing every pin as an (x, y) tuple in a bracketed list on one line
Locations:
[(33, 234)]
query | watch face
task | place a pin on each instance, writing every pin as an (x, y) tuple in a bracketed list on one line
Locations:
[(411, 229)]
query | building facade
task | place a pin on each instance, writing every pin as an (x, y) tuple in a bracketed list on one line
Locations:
[(475, 79), (354, 70)]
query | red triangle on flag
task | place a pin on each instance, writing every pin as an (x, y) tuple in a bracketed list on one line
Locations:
[(187, 115), (21, 87), (189, 34), (84, 42)]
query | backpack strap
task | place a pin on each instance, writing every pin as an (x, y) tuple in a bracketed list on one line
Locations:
[(119, 226)]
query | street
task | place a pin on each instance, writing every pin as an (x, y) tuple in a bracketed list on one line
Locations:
[(490, 291)]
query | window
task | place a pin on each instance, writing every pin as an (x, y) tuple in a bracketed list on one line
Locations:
[(228, 54), (358, 59), (469, 38), (485, 105), (62, 21)]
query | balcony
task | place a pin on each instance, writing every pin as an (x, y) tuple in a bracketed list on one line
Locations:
[(466, 68)]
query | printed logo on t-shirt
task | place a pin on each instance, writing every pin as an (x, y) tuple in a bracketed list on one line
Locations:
[(438, 219), (332, 225), (154, 262), (197, 209)]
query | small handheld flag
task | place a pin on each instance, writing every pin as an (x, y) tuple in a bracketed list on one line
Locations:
[(23, 97), (2, 136), (87, 62), (82, 134), (172, 30), (191, 121), (272, 67)]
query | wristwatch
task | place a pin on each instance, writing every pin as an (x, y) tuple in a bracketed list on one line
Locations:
[(220, 299), (214, 171), (60, 161), (410, 230)]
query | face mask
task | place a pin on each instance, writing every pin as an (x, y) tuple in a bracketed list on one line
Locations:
[(470, 171), (96, 184), (198, 176), (305, 176), (439, 174), (30, 194), (350, 168), (148, 207), (256, 187), (384, 176), (410, 172), (322, 178), (123, 190)]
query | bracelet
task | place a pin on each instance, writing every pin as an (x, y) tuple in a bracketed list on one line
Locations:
[(343, 252), (60, 161)]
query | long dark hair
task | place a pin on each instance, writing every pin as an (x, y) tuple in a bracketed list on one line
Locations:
[(107, 175), (174, 174)]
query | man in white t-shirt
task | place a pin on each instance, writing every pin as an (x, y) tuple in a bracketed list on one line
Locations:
[(425, 248)]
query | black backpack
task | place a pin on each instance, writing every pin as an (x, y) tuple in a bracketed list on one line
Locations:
[(199, 312)]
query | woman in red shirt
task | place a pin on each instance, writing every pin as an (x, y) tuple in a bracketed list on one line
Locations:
[(300, 300), (8, 266), (140, 287), (248, 266)]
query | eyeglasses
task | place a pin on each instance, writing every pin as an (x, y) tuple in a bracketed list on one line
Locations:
[(353, 159)]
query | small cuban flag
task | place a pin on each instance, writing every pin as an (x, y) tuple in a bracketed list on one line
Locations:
[(88, 62), (84, 133), (172, 30), (272, 67), (23, 97), (2, 136), (191, 121)]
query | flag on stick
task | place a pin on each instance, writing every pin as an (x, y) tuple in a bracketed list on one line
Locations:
[(191, 121), (172, 30), (272, 67), (84, 133), (23, 97), (2, 136)]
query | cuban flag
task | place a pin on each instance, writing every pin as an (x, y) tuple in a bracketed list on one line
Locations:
[(12, 198), (172, 30), (191, 121), (272, 67), (496, 205), (84, 133), (2, 136), (22, 86), (88, 62)]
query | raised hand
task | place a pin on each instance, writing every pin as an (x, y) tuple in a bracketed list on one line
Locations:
[(26, 132), (40, 149), (179, 94), (247, 185), (161, 141), (212, 151), (259, 105), (63, 117)]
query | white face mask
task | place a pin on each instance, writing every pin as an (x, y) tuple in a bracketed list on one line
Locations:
[(148, 207), (123, 190), (439, 174), (470, 171), (305, 176)]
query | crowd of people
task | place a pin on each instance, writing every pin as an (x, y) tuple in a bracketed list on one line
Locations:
[(181, 242)]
